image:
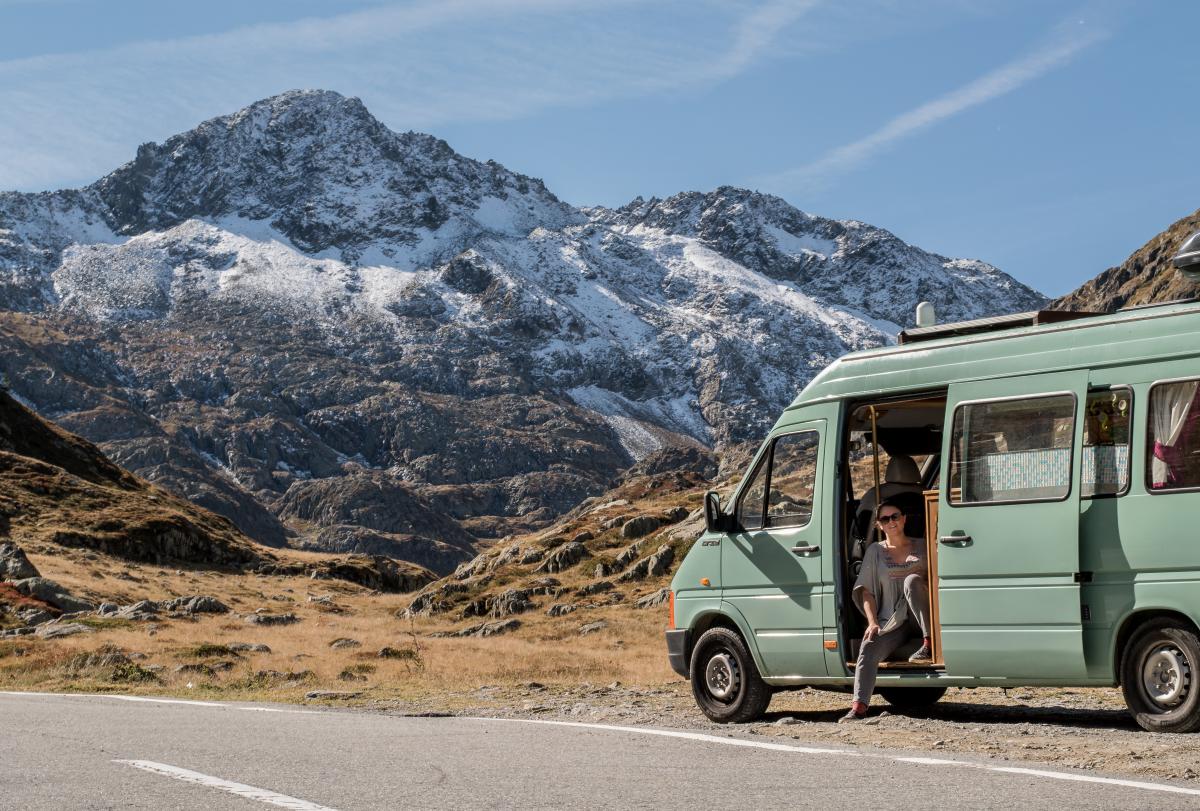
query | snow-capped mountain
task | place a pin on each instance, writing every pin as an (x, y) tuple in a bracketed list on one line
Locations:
[(294, 295)]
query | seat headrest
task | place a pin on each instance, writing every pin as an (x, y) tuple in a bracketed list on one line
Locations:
[(902, 470)]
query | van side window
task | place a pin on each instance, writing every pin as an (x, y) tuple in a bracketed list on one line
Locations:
[(1173, 441), (793, 475), (1012, 450), (1106, 442), (750, 507)]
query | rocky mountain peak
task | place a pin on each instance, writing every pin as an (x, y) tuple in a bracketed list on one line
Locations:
[(323, 172)]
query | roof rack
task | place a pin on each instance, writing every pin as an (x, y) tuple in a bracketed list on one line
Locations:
[(1150, 304), (992, 324)]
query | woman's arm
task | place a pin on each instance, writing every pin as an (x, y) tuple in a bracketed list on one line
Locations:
[(869, 607)]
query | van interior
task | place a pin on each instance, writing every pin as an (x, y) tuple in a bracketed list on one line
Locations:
[(891, 452)]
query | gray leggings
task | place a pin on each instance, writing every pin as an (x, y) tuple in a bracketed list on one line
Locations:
[(916, 594)]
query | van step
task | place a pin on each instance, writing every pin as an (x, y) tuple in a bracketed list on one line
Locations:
[(905, 666)]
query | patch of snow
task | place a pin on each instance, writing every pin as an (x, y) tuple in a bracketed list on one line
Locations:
[(800, 246), (497, 215)]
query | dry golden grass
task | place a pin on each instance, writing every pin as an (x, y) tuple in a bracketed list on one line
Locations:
[(544, 649)]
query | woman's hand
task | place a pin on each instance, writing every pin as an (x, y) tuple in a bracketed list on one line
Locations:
[(871, 632)]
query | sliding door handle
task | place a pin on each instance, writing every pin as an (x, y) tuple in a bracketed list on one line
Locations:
[(805, 550), (955, 540)]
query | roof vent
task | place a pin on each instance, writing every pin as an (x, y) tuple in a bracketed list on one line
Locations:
[(926, 316), (1187, 261)]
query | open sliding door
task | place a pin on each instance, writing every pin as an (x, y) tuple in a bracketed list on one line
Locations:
[(1008, 528)]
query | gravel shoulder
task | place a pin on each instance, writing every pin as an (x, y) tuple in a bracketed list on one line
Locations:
[(1084, 728)]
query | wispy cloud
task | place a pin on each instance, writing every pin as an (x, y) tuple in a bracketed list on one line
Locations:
[(70, 117), (1005, 79)]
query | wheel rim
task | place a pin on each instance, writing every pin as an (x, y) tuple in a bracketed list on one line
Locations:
[(1166, 675), (722, 677)]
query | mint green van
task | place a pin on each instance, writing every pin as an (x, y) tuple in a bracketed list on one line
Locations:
[(1050, 460)]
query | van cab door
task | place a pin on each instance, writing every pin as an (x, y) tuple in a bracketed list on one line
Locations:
[(1008, 528), (771, 568)]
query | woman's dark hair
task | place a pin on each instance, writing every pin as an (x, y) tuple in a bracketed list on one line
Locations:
[(890, 502)]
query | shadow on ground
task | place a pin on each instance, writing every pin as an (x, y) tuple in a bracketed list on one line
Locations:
[(956, 712)]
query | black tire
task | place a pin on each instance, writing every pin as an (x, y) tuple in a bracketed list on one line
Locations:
[(725, 680), (911, 698), (1160, 677)]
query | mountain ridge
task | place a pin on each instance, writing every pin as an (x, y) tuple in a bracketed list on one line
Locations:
[(294, 294)]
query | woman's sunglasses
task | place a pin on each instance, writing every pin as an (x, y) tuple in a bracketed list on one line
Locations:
[(890, 517)]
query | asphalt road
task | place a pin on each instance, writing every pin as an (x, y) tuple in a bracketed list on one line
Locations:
[(65, 752)]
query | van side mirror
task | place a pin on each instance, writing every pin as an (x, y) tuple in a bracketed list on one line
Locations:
[(714, 519), (1187, 261)]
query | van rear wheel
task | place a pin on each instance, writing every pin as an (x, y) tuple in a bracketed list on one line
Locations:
[(1159, 673), (725, 680), (911, 698)]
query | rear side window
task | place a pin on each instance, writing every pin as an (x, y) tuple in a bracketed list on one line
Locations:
[(1173, 441), (793, 475), (1012, 450), (1106, 442), (780, 493)]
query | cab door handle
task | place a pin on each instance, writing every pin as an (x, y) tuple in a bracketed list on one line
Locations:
[(805, 550), (955, 540)]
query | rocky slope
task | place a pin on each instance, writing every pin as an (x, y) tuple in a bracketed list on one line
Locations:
[(343, 337), (1146, 277), (60, 496)]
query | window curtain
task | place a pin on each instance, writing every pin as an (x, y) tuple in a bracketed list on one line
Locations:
[(1168, 413)]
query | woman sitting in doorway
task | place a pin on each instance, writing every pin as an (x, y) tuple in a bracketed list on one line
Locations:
[(891, 591)]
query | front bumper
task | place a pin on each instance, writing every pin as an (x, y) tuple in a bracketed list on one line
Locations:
[(677, 646)]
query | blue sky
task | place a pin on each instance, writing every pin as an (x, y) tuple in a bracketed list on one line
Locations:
[(1049, 138)]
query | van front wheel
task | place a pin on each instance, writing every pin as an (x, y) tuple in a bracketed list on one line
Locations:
[(725, 680), (1159, 673)]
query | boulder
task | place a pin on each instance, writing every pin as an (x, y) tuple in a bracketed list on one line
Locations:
[(642, 525), (560, 609), (495, 628), (249, 647), (660, 562), (434, 600), (55, 631), (345, 642), (654, 599), (507, 603), (13, 563), (34, 616), (592, 627), (271, 619), (195, 604), (675, 514), (583, 537), (50, 592), (141, 610), (594, 588), (564, 558), (651, 566)]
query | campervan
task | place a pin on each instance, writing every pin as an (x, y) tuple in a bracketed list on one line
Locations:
[(1050, 461)]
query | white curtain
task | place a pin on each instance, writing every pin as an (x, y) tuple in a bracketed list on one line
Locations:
[(1168, 412)]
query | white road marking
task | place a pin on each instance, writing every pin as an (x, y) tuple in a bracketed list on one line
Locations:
[(779, 747), (262, 795), (930, 761), (148, 700), (1087, 778), (691, 736)]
